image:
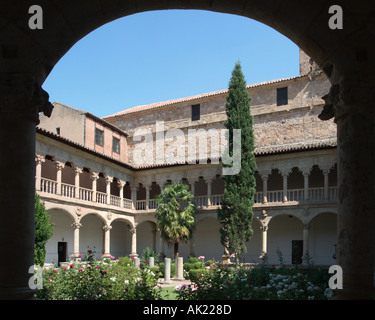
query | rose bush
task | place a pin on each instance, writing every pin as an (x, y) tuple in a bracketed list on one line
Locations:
[(99, 280)]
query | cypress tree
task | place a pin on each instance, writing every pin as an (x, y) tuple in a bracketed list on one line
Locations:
[(236, 212)]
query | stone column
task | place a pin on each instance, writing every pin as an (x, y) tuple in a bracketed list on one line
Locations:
[(108, 181), (77, 171), (306, 185), (147, 187), (76, 226), (134, 195), (94, 177), (121, 185), (21, 98), (264, 229), (285, 187), (209, 192), (325, 173), (59, 166), (134, 243), (353, 107), (151, 262), (167, 270), (180, 269), (306, 227), (107, 240), (38, 171), (265, 188)]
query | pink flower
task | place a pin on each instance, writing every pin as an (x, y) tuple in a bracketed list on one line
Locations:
[(71, 266), (65, 269), (79, 256), (80, 270), (97, 267), (55, 271), (201, 257)]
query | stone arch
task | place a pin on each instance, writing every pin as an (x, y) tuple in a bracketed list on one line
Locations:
[(322, 238), (283, 229), (207, 238), (63, 232), (345, 56)]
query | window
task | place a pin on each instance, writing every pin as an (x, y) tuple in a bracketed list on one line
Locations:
[(58, 130), (195, 112), (115, 145), (99, 137), (282, 96)]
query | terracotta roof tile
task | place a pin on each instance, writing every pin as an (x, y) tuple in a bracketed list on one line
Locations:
[(192, 98)]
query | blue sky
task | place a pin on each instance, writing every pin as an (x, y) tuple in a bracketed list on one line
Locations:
[(162, 55)]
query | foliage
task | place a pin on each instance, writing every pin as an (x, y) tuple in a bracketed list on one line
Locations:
[(43, 231), (196, 274), (222, 282), (236, 214), (147, 253), (99, 280), (175, 214)]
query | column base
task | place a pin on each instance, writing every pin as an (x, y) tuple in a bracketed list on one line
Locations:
[(226, 259), (133, 255)]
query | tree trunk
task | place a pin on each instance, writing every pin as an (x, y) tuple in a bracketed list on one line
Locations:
[(175, 250)]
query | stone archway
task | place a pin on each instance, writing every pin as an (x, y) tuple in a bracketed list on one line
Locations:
[(346, 56)]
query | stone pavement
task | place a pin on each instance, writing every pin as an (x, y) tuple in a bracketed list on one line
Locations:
[(173, 282)]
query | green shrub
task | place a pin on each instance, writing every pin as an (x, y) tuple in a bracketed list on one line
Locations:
[(196, 274), (193, 260), (99, 280)]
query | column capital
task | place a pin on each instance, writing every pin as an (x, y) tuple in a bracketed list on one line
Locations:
[(77, 170), (107, 228), (22, 96), (94, 176), (76, 225), (59, 165), (39, 159)]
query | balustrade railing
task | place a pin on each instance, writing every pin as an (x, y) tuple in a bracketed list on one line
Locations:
[(49, 186), (127, 203), (101, 197), (68, 190), (115, 201), (273, 197), (85, 194), (140, 205)]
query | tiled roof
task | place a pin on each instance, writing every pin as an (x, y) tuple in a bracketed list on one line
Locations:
[(262, 151), (192, 98)]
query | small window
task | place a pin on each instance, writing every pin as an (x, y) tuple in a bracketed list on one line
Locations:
[(195, 112), (282, 96), (115, 145), (99, 137), (58, 130)]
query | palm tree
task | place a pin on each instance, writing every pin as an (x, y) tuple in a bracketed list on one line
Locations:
[(175, 214)]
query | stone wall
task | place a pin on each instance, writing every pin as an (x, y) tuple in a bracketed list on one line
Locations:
[(295, 122)]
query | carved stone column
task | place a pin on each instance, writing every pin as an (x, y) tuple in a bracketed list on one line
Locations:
[(59, 166), (76, 227), (306, 228), (352, 103), (77, 172), (107, 230), (108, 181), (94, 178), (21, 98), (133, 253), (38, 171)]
